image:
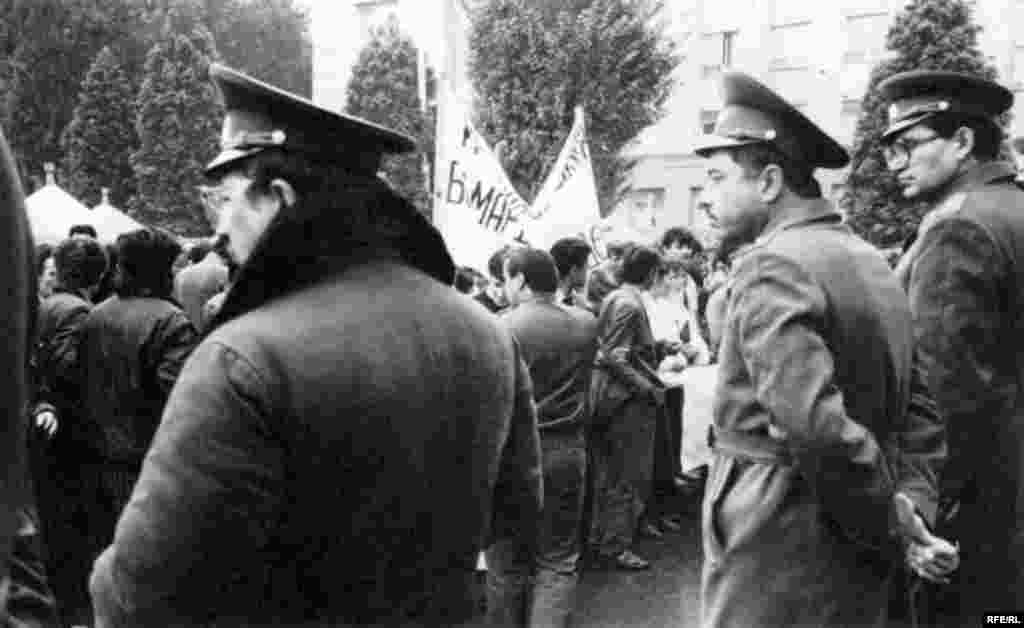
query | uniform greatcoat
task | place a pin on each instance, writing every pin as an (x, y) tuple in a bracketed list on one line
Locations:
[(812, 432), (329, 458), (965, 279)]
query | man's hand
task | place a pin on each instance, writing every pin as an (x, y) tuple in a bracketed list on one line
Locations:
[(930, 557), (47, 421)]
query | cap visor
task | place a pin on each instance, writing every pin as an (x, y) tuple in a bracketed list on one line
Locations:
[(708, 143), (903, 125), (228, 156)]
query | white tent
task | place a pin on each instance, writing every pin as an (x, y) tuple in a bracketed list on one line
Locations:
[(111, 222), (52, 212)]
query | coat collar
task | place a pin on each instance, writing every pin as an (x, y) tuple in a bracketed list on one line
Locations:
[(819, 211), (988, 172)]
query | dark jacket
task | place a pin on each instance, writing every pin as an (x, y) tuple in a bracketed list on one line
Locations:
[(559, 344), (57, 375), (330, 457), (626, 361), (965, 278), (18, 287), (814, 431), (130, 352)]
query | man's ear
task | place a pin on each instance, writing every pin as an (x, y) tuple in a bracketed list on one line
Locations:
[(770, 184), (284, 191), (965, 142)]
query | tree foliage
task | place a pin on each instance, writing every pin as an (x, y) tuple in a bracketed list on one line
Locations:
[(100, 139), (927, 35), (178, 121), (383, 88), (47, 46), (533, 61)]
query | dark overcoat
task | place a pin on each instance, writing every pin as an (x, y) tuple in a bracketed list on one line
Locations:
[(814, 430), (330, 458), (965, 278)]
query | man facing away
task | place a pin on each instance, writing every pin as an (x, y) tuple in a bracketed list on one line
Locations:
[(332, 450), (812, 434), (963, 276), (571, 257), (536, 587)]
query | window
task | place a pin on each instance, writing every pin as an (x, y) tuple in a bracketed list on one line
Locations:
[(792, 44), (849, 114), (643, 207), (708, 117), (728, 44), (865, 37), (718, 52)]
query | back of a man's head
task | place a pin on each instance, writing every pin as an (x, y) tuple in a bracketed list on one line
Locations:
[(80, 263), (145, 257), (537, 268), (570, 254)]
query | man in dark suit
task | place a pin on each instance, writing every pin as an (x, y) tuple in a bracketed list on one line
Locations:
[(352, 432), (962, 273), (626, 396), (527, 586), (816, 440)]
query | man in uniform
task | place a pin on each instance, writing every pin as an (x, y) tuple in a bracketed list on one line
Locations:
[(963, 275), (812, 436), (331, 451)]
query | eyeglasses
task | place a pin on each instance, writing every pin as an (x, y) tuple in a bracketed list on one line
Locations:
[(213, 198), (897, 154)]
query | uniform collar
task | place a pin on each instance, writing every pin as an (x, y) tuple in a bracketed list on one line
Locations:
[(987, 172), (817, 211)]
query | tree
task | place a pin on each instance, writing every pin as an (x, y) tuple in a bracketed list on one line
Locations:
[(99, 141), (927, 35), (383, 89), (46, 47), (533, 61), (178, 123)]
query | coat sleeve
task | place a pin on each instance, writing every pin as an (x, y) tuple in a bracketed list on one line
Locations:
[(780, 313), (518, 493), (955, 296), (617, 341), (205, 503), (921, 447), (173, 341)]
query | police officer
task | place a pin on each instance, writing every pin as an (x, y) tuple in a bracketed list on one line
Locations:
[(815, 386), (331, 451), (963, 275)]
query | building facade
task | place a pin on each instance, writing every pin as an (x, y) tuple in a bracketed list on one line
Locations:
[(817, 55)]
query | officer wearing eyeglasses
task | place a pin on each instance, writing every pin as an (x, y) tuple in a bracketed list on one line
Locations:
[(331, 452), (965, 278)]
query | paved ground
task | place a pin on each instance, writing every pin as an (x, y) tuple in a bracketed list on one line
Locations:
[(668, 595)]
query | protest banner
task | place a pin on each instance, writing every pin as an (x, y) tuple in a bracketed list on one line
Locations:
[(567, 204), (475, 206)]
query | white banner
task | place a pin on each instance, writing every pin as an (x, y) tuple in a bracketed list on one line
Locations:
[(567, 203), (475, 206)]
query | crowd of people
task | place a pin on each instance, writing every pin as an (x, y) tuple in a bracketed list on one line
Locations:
[(304, 424)]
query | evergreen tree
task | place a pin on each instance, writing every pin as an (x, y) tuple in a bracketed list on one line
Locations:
[(178, 123), (927, 35), (99, 141), (533, 61), (383, 89)]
